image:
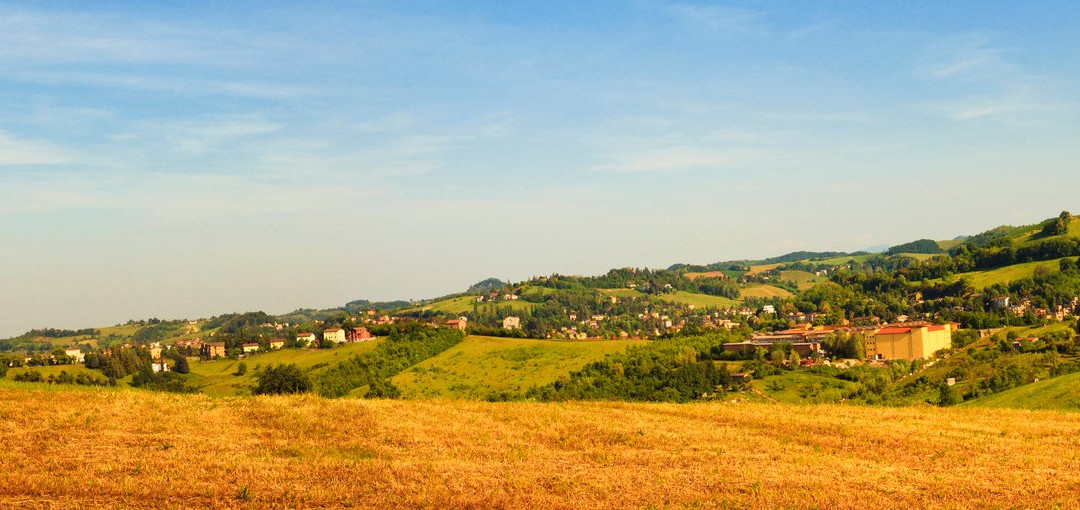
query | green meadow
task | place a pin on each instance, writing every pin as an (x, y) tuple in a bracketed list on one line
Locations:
[(481, 366), (216, 377)]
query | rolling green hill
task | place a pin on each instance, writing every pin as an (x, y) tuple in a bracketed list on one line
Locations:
[(465, 304), (216, 377), (699, 300), (1059, 393), (802, 279), (982, 279), (481, 366)]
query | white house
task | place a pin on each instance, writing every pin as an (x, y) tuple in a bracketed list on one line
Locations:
[(336, 335), (75, 353), (306, 338), (159, 366)]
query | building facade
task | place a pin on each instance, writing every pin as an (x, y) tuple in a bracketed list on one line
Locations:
[(916, 341)]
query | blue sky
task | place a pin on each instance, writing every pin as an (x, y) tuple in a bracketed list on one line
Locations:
[(192, 158)]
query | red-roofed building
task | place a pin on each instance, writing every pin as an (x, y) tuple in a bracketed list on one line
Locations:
[(213, 349), (459, 324), (359, 335)]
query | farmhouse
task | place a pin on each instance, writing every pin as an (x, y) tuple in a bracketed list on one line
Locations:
[(336, 335), (359, 335), (909, 341), (306, 338), (213, 349), (75, 354), (459, 324), (512, 322), (277, 343), (252, 347), (159, 366)]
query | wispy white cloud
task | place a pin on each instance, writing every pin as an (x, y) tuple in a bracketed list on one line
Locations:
[(171, 199), (668, 159), (17, 151), (966, 56), (719, 18), (812, 29)]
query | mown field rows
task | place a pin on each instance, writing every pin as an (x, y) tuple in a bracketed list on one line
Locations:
[(128, 449)]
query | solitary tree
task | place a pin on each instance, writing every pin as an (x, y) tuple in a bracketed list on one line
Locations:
[(280, 379), (947, 396)]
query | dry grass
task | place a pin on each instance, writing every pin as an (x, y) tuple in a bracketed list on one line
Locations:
[(103, 449), (765, 291), (705, 274), (761, 268)]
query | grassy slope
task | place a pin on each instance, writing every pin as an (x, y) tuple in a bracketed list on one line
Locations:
[(950, 244), (463, 304), (131, 449), (74, 370), (623, 293), (803, 279), (836, 261), (699, 300), (705, 274), (481, 365), (761, 268), (1062, 393), (981, 279), (1035, 235), (215, 377), (921, 257), (802, 388), (764, 291)]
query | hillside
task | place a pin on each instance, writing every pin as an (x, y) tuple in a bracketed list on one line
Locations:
[(983, 279), (1060, 393), (481, 367), (217, 377), (148, 450), (765, 291), (465, 304)]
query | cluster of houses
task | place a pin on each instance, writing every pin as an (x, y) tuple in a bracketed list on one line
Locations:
[(496, 297), (1070, 310), (911, 340), (335, 335)]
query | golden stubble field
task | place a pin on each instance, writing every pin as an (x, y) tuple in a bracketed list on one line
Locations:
[(110, 449)]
